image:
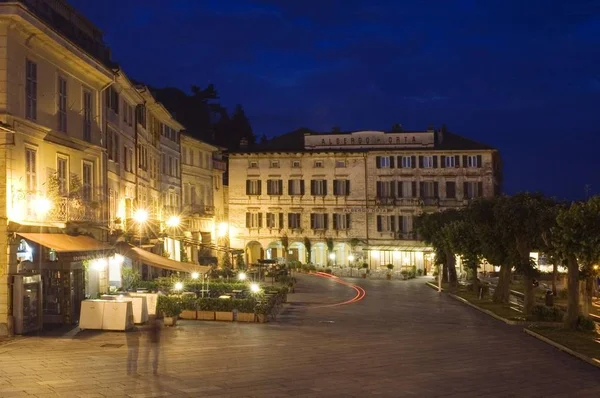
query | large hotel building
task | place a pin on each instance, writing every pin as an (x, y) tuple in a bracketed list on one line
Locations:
[(352, 197)]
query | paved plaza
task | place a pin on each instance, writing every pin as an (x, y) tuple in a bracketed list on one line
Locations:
[(402, 339)]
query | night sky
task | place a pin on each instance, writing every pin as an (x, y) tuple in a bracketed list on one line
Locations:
[(523, 76)]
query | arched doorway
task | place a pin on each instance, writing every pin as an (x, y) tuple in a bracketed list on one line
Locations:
[(254, 252), (275, 251), (297, 252), (341, 252), (319, 254)]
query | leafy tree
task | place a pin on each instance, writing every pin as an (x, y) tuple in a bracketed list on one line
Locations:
[(329, 243), (577, 237), (263, 139), (463, 240), (240, 126), (239, 262), (226, 260), (285, 242)]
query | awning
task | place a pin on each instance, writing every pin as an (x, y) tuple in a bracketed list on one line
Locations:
[(63, 243), (154, 260), (400, 248)]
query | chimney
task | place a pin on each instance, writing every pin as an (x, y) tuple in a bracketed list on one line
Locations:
[(441, 132), (244, 143), (397, 128)]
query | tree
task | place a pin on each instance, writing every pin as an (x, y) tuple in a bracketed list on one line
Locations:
[(522, 221), (463, 240), (285, 242), (329, 243), (226, 260), (240, 126), (239, 262), (307, 247), (263, 139), (577, 237), (429, 226)]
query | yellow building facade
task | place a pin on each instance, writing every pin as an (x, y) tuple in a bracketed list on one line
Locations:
[(352, 197)]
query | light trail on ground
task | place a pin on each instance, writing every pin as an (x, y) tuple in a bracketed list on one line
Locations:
[(360, 292)]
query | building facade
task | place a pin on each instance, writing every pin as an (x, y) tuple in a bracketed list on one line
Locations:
[(352, 197)]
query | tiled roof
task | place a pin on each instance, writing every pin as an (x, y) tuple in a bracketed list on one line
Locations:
[(294, 142)]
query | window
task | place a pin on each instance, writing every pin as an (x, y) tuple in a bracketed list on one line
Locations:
[(407, 189), (112, 100), (140, 111), (87, 115), (407, 162), (318, 164), (429, 189), (450, 161), (184, 155), (88, 182), (473, 190), (428, 162), (176, 168), (274, 164), (450, 189), (340, 163), (253, 187), (275, 220), (62, 104), (112, 145), (253, 165), (472, 161), (31, 169), (386, 189), (130, 115), (386, 223), (318, 187), (384, 162), (341, 187), (404, 222), (30, 90), (318, 221), (341, 221), (130, 160), (170, 166), (294, 221), (62, 175), (274, 187), (296, 164), (253, 220), (295, 187)]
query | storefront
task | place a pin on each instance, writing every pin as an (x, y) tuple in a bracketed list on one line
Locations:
[(59, 260), (401, 257)]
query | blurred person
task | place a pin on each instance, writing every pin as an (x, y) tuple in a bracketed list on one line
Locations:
[(133, 350), (154, 332)]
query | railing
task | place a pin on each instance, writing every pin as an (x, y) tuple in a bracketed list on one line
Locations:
[(385, 201), (407, 235), (219, 164), (200, 209), (452, 202), (67, 209), (430, 201), (407, 202)]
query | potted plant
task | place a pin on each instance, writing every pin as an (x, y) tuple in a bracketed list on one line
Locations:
[(262, 311), (390, 267), (404, 274), (365, 267), (245, 310), (170, 307)]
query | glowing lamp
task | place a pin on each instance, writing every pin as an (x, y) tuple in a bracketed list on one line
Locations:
[(242, 276), (178, 286), (254, 288)]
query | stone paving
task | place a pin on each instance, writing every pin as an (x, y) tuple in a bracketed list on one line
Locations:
[(403, 339)]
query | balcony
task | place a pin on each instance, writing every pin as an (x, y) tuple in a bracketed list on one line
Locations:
[(67, 209), (407, 235), (431, 201), (219, 165), (201, 210), (385, 201), (448, 202), (406, 202)]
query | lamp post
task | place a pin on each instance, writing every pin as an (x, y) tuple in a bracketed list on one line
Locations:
[(140, 216)]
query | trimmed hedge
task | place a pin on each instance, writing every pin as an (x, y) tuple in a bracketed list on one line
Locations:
[(542, 313)]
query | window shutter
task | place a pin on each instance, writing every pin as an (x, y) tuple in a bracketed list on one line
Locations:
[(456, 161), (480, 189), (378, 162), (280, 187), (420, 162), (289, 220), (379, 189), (301, 187), (269, 187), (465, 190), (399, 192), (248, 215), (399, 161), (378, 223), (335, 187), (347, 220), (312, 187), (260, 224), (442, 162), (392, 223), (280, 220), (478, 160), (260, 187), (325, 187), (414, 188), (335, 224), (421, 189), (435, 160), (435, 189), (325, 217), (464, 162), (289, 187), (413, 162), (450, 189), (391, 162), (347, 187), (312, 221), (247, 187)]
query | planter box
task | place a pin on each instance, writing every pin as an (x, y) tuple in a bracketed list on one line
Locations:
[(245, 317), (260, 318), (188, 314), (205, 315), (170, 320), (224, 316)]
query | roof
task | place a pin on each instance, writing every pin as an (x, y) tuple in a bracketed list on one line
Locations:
[(63, 243), (294, 142), (146, 257)]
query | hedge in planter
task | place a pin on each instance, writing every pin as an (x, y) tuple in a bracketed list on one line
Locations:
[(188, 307), (170, 306)]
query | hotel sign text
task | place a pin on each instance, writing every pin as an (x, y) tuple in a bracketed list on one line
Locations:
[(370, 139)]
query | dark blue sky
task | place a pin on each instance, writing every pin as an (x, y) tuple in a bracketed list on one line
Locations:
[(523, 76)]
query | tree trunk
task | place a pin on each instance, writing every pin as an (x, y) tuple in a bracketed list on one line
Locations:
[(554, 277), (528, 290), (444, 270), (573, 290), (450, 270), (502, 291), (587, 290), (474, 279)]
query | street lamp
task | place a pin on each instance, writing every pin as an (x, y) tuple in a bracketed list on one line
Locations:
[(222, 230), (178, 286), (173, 221), (140, 216), (351, 258), (195, 275), (332, 258), (42, 206), (254, 288), (242, 276)]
